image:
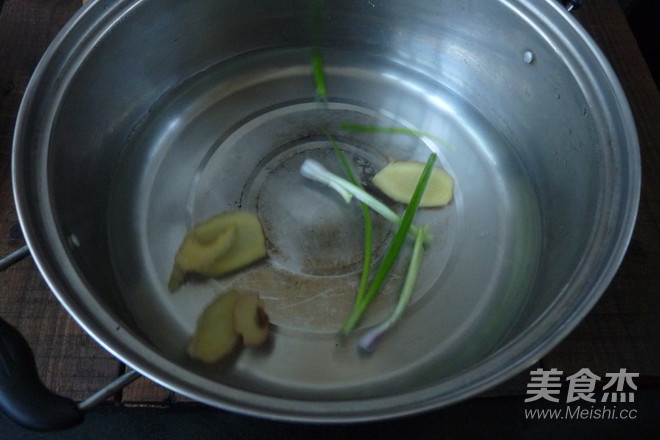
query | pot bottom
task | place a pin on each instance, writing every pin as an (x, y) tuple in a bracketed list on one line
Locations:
[(234, 136)]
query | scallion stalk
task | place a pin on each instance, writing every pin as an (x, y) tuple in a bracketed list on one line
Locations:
[(368, 224), (368, 341), (318, 73), (393, 251), (394, 130), (313, 170)]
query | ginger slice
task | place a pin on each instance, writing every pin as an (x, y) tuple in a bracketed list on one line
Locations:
[(232, 317), (398, 180), (215, 336), (196, 255), (218, 246), (251, 320)]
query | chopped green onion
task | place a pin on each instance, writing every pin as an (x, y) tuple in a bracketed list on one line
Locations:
[(395, 130), (368, 224), (369, 340), (318, 72), (394, 249), (316, 20), (313, 170), (318, 65)]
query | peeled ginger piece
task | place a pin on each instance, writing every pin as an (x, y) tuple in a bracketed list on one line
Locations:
[(251, 320), (399, 179), (218, 246), (215, 336), (233, 317)]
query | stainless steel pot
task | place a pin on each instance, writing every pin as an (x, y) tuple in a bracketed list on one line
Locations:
[(145, 117)]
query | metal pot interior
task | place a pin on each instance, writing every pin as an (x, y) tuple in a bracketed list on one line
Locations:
[(146, 117)]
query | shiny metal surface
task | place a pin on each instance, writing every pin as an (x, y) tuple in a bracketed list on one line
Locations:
[(210, 107)]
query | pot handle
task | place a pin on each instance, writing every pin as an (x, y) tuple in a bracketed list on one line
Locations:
[(23, 396)]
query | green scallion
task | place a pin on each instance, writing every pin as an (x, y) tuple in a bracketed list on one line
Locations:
[(394, 130), (393, 251)]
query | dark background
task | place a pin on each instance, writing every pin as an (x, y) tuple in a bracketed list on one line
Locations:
[(644, 19)]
